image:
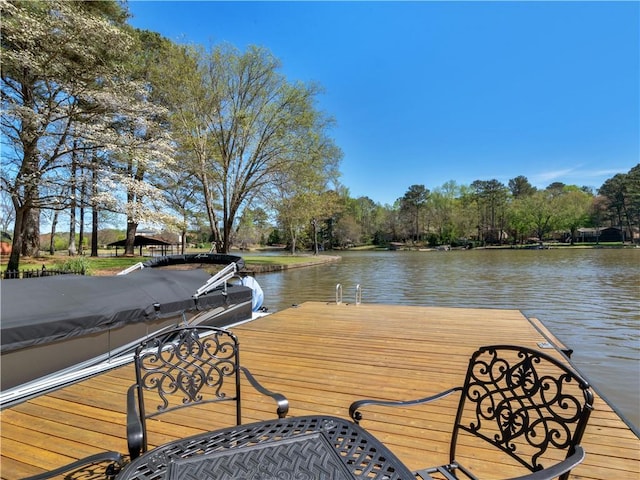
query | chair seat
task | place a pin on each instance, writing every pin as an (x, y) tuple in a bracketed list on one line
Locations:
[(446, 471), (424, 474)]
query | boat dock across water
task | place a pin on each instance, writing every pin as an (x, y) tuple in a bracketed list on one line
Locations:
[(322, 356)]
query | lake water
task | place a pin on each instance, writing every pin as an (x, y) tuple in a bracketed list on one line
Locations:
[(589, 298)]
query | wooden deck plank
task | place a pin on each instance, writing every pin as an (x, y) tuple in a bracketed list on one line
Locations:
[(323, 357)]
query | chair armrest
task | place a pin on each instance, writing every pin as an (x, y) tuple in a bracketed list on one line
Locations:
[(97, 458), (356, 415), (281, 401), (135, 435), (557, 469)]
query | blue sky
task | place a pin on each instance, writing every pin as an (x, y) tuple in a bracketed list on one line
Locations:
[(428, 92)]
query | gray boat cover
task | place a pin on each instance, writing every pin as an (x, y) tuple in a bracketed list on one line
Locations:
[(41, 310)]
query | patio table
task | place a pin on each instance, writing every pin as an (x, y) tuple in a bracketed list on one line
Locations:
[(310, 447)]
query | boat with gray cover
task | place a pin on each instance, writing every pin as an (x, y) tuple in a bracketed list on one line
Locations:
[(52, 326)]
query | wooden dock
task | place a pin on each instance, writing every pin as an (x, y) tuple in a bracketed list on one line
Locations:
[(322, 357)]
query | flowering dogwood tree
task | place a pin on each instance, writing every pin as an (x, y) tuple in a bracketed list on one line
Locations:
[(66, 88)]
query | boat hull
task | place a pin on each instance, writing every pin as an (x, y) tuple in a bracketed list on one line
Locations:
[(26, 364), (53, 323)]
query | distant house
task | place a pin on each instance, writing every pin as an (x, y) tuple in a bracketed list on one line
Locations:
[(591, 235), (5, 243)]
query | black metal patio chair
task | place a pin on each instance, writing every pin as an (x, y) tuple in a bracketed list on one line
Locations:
[(521, 401), (186, 366)]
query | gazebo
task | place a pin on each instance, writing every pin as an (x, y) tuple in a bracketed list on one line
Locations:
[(142, 241)]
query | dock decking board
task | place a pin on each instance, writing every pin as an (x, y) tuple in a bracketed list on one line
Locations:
[(323, 357)]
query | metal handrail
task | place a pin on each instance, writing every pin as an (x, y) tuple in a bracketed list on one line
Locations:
[(137, 266), (227, 273), (339, 294)]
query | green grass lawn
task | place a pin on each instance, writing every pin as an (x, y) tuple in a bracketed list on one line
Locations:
[(90, 265)]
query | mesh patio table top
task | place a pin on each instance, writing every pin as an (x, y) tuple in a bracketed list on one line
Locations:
[(311, 447)]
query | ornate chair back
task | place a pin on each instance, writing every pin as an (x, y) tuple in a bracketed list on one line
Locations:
[(187, 366), (524, 402)]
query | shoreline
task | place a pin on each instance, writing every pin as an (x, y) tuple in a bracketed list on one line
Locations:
[(251, 267), (256, 264)]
